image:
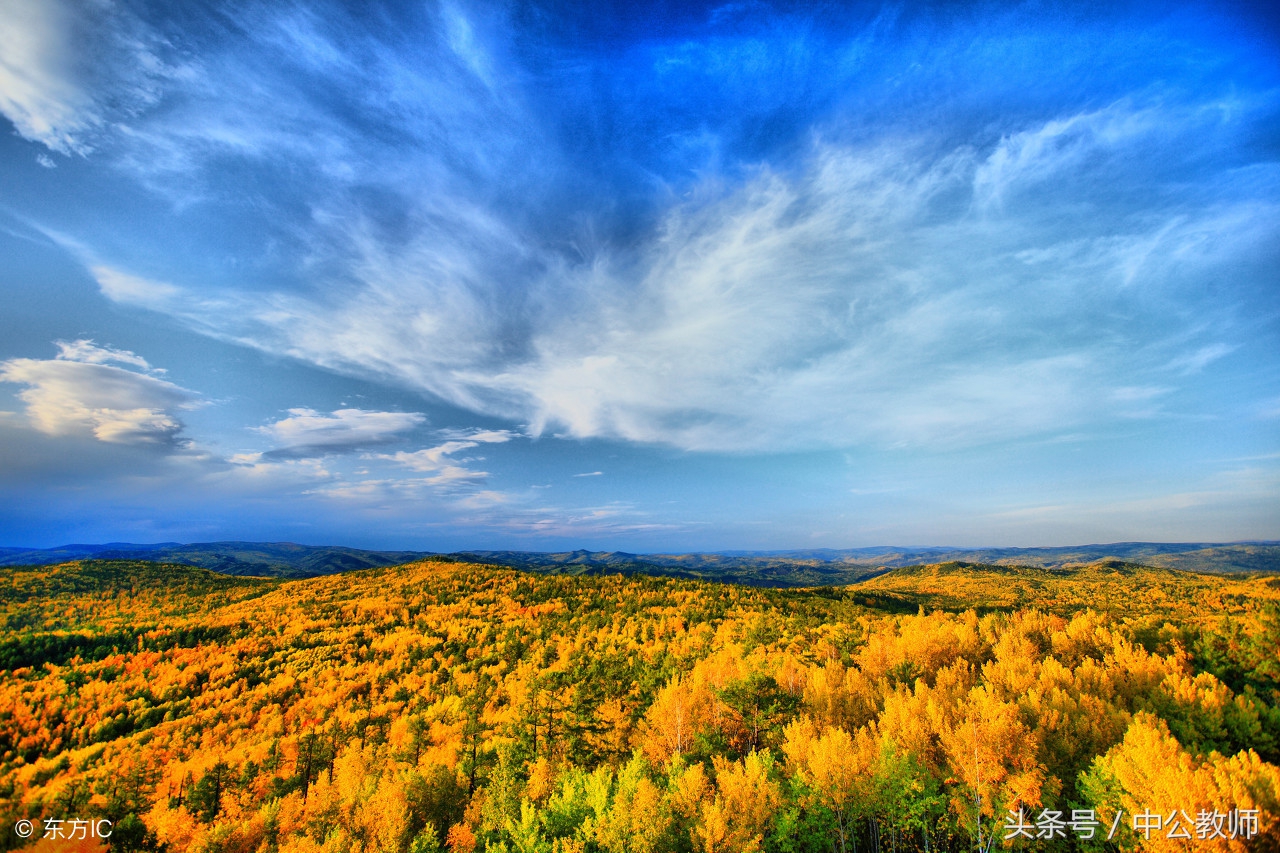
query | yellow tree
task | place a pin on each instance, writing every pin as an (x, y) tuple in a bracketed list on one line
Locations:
[(834, 767), (1166, 791), (994, 757), (679, 712), (745, 803), (838, 696), (639, 816)]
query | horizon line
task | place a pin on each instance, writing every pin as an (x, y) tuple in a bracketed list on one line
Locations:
[(720, 551)]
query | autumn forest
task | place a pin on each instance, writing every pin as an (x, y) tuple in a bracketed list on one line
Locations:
[(443, 705)]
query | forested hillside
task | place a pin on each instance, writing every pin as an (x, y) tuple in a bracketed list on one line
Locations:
[(454, 706)]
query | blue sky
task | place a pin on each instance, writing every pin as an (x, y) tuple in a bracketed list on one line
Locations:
[(644, 277)]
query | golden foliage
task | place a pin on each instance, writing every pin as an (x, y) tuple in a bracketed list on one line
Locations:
[(460, 707)]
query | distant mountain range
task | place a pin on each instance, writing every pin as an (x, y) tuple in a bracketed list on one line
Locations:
[(268, 559), (820, 567)]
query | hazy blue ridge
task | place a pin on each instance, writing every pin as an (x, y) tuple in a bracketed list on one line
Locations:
[(268, 559), (821, 567)]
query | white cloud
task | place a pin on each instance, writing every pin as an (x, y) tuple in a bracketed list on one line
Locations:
[(895, 292), (1026, 160), (429, 458), (1138, 394), (88, 352), (307, 432), (481, 436), (123, 287), (38, 90), (81, 393), (447, 473), (1202, 357), (917, 285), (66, 66)]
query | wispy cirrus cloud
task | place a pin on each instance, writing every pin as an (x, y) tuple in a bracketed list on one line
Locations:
[(1197, 360), (84, 392), (593, 522), (871, 295), (920, 253), (1228, 499)]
